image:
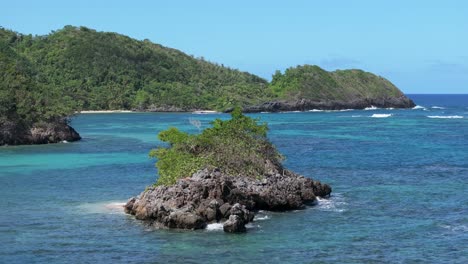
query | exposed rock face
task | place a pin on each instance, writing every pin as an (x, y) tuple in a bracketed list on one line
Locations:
[(210, 196), (12, 133), (305, 104)]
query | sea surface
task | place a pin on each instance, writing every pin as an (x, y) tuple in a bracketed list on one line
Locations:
[(399, 178)]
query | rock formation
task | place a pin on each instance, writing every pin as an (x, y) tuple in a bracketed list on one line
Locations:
[(210, 196), (12, 133)]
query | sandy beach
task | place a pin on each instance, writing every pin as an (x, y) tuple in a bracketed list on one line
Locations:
[(103, 111)]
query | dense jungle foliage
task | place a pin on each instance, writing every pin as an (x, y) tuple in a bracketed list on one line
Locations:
[(238, 146)]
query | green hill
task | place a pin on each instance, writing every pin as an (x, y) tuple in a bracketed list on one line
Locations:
[(314, 83), (100, 70)]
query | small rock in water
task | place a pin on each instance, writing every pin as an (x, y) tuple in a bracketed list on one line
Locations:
[(234, 225)]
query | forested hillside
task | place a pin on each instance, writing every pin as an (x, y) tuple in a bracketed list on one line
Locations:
[(101, 70), (314, 83), (25, 97)]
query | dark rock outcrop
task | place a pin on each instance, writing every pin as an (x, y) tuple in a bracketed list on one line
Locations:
[(211, 196), (305, 104), (12, 133)]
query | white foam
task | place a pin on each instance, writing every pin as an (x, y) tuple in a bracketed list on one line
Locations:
[(356, 116), (447, 117), (252, 225), (371, 108), (261, 218), (335, 203), (64, 141), (102, 208), (438, 107), (214, 227), (457, 228), (419, 107), (115, 206), (315, 110), (381, 115)]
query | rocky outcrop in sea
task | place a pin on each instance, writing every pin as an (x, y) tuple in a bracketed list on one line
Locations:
[(209, 196), (12, 133)]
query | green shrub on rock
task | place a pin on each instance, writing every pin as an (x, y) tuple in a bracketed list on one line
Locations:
[(238, 146)]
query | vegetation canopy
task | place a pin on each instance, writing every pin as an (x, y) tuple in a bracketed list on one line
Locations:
[(238, 147)]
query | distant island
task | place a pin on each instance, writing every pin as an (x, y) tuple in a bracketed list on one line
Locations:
[(46, 79)]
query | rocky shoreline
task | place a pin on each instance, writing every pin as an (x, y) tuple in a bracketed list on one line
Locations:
[(302, 105), (210, 196), (305, 105), (12, 133)]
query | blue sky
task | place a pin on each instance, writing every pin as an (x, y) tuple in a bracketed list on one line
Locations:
[(421, 46)]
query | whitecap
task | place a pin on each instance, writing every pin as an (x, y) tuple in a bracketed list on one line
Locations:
[(381, 115), (315, 110), (447, 117), (335, 203), (438, 107), (419, 107), (456, 228), (356, 116), (64, 141), (371, 108), (214, 227)]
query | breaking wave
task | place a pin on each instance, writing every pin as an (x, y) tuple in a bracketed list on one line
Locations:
[(381, 115), (447, 117), (371, 108), (335, 203), (214, 227), (419, 107)]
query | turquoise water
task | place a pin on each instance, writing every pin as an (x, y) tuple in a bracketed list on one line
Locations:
[(400, 191)]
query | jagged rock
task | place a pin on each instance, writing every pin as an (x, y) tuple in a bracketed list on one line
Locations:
[(13, 133), (211, 196), (234, 225)]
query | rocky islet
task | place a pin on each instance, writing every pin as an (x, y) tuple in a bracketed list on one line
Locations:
[(210, 196)]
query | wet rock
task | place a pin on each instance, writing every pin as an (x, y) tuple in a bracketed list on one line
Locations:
[(234, 224)]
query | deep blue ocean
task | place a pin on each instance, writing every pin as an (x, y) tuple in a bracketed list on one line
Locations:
[(399, 178)]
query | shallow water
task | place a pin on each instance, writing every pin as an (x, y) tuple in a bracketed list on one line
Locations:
[(399, 183)]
